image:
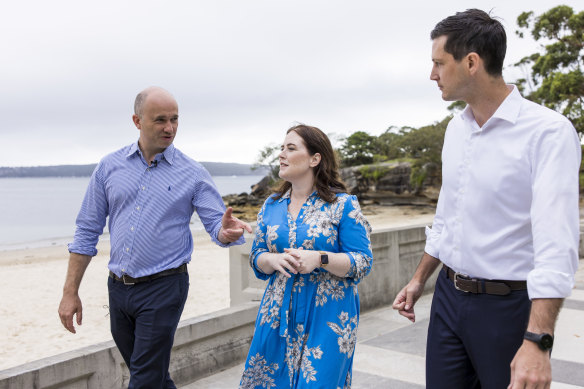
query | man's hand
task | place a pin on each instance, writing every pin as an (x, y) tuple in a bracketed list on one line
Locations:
[(232, 228), (531, 368), (406, 299), (70, 305)]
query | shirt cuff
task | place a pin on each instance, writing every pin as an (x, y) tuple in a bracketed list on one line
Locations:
[(90, 251), (545, 283), (432, 243)]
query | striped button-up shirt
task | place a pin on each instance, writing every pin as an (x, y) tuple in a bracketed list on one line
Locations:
[(149, 210)]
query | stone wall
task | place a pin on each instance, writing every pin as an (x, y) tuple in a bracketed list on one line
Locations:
[(210, 343)]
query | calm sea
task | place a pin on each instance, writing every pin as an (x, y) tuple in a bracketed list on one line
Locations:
[(42, 211)]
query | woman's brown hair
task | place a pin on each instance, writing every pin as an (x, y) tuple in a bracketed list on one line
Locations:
[(326, 173)]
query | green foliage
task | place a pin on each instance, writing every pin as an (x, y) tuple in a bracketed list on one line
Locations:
[(557, 74), (373, 173), (357, 149)]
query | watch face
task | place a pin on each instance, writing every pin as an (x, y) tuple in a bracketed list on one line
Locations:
[(324, 259), (547, 341)]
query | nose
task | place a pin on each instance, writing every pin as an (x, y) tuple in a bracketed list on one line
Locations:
[(434, 74)]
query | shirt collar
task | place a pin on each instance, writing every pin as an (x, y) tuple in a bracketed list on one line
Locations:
[(508, 110), (167, 154)]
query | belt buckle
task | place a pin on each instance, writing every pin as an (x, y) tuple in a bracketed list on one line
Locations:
[(133, 283), (456, 275)]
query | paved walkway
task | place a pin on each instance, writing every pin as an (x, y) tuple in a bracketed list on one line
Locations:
[(390, 352)]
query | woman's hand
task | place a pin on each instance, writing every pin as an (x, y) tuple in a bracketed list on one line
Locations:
[(307, 260), (284, 263)]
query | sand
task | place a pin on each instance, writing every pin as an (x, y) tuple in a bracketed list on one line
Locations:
[(32, 282)]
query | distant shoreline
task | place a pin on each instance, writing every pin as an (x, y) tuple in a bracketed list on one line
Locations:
[(214, 168)]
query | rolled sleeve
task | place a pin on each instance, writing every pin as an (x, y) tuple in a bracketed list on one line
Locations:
[(433, 233), (92, 217), (555, 212)]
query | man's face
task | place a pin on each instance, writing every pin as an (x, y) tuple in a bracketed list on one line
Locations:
[(158, 122), (449, 74)]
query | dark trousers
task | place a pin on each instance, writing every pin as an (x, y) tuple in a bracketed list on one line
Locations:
[(472, 338), (143, 320)]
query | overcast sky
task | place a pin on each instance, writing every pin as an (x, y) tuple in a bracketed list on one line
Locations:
[(242, 71)]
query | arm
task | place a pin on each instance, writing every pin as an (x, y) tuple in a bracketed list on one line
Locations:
[(70, 302), (531, 365), (555, 158), (406, 299)]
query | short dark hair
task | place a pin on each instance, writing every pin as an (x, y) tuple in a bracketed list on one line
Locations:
[(474, 31), (326, 173)]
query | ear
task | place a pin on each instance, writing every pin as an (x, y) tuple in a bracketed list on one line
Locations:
[(315, 160), (136, 120), (473, 62)]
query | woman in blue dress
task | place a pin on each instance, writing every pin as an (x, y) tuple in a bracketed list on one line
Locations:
[(312, 245)]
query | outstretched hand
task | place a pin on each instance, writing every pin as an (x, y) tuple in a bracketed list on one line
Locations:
[(232, 228)]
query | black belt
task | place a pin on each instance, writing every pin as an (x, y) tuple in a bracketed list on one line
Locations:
[(478, 285), (127, 280)]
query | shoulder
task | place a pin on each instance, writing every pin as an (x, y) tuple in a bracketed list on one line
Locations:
[(543, 116)]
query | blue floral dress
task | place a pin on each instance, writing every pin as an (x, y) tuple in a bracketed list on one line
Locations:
[(305, 331)]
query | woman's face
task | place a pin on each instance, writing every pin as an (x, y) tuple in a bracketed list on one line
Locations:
[(296, 163)]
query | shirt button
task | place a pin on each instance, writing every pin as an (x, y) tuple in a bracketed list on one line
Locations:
[(143, 187), (138, 208), (132, 228), (127, 249)]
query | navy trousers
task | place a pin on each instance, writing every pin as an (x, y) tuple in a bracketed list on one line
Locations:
[(143, 320), (472, 338)]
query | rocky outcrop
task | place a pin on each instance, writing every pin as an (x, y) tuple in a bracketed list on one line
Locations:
[(376, 184), (390, 183)]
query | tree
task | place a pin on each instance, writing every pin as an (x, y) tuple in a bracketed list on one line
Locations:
[(269, 156), (557, 78), (358, 149)]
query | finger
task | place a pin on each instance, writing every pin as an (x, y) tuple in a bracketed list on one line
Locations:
[(409, 300), (247, 227), (290, 268), (408, 315), (79, 316), (228, 213), (282, 271)]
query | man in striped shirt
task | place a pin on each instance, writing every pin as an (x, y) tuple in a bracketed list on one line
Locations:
[(147, 192)]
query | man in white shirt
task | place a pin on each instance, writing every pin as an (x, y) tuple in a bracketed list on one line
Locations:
[(506, 227)]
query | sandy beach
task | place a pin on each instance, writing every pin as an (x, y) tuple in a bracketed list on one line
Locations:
[(33, 278)]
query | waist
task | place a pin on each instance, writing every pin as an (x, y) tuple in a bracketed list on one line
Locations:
[(467, 284), (127, 280)]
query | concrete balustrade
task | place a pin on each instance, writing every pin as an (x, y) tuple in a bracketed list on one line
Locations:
[(209, 343)]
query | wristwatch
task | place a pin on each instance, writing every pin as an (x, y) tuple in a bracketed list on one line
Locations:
[(544, 340), (323, 259)]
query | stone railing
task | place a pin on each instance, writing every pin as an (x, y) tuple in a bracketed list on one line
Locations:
[(210, 343)]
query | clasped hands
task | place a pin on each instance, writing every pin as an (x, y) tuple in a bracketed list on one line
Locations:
[(295, 261)]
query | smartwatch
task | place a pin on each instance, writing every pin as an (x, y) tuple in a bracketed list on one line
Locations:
[(323, 259), (544, 340)]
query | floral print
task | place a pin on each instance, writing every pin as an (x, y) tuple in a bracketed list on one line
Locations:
[(308, 319)]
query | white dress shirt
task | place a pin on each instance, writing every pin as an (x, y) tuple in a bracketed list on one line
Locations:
[(508, 206)]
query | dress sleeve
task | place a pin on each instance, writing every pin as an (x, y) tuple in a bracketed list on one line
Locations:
[(259, 243), (354, 239), (92, 216), (554, 212)]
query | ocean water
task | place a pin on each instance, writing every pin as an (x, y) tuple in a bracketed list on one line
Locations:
[(42, 211)]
